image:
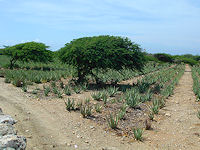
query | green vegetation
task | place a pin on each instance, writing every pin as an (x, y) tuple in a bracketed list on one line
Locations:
[(112, 121), (196, 81), (70, 104), (103, 62), (101, 52), (198, 114), (138, 134), (164, 57), (30, 51)]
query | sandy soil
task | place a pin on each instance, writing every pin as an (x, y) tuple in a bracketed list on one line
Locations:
[(47, 125), (177, 125)]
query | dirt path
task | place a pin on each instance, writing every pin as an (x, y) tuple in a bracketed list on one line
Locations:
[(177, 126), (47, 125)]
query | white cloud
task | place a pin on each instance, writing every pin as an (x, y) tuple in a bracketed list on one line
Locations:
[(151, 22)]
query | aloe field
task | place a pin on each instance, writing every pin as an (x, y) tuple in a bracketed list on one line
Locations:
[(126, 103)]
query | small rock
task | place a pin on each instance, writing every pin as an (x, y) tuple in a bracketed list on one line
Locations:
[(7, 119), (86, 141), (6, 129), (168, 114), (13, 141)]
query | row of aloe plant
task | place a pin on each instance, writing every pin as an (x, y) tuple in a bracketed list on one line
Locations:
[(143, 91), (36, 76), (157, 83), (114, 76), (196, 81)]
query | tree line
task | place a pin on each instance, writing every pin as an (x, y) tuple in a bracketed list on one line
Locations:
[(89, 54)]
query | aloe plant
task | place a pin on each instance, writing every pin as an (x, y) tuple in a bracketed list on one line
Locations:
[(112, 121), (70, 105), (138, 134)]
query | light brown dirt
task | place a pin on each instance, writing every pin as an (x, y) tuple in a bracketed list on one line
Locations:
[(47, 125), (177, 126)]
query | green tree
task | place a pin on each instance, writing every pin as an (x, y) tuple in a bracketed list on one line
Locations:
[(164, 57), (30, 51), (1, 51), (101, 52)]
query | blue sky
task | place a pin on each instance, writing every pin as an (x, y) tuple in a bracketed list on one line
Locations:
[(170, 26)]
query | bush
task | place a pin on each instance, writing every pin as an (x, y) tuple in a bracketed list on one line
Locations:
[(164, 57), (151, 58), (189, 61), (1, 51), (101, 52)]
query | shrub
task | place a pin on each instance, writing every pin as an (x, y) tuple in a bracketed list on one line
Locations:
[(164, 57)]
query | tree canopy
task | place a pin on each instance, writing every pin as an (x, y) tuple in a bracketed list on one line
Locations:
[(30, 51), (101, 52)]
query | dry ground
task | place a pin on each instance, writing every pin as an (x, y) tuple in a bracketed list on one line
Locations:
[(47, 125)]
